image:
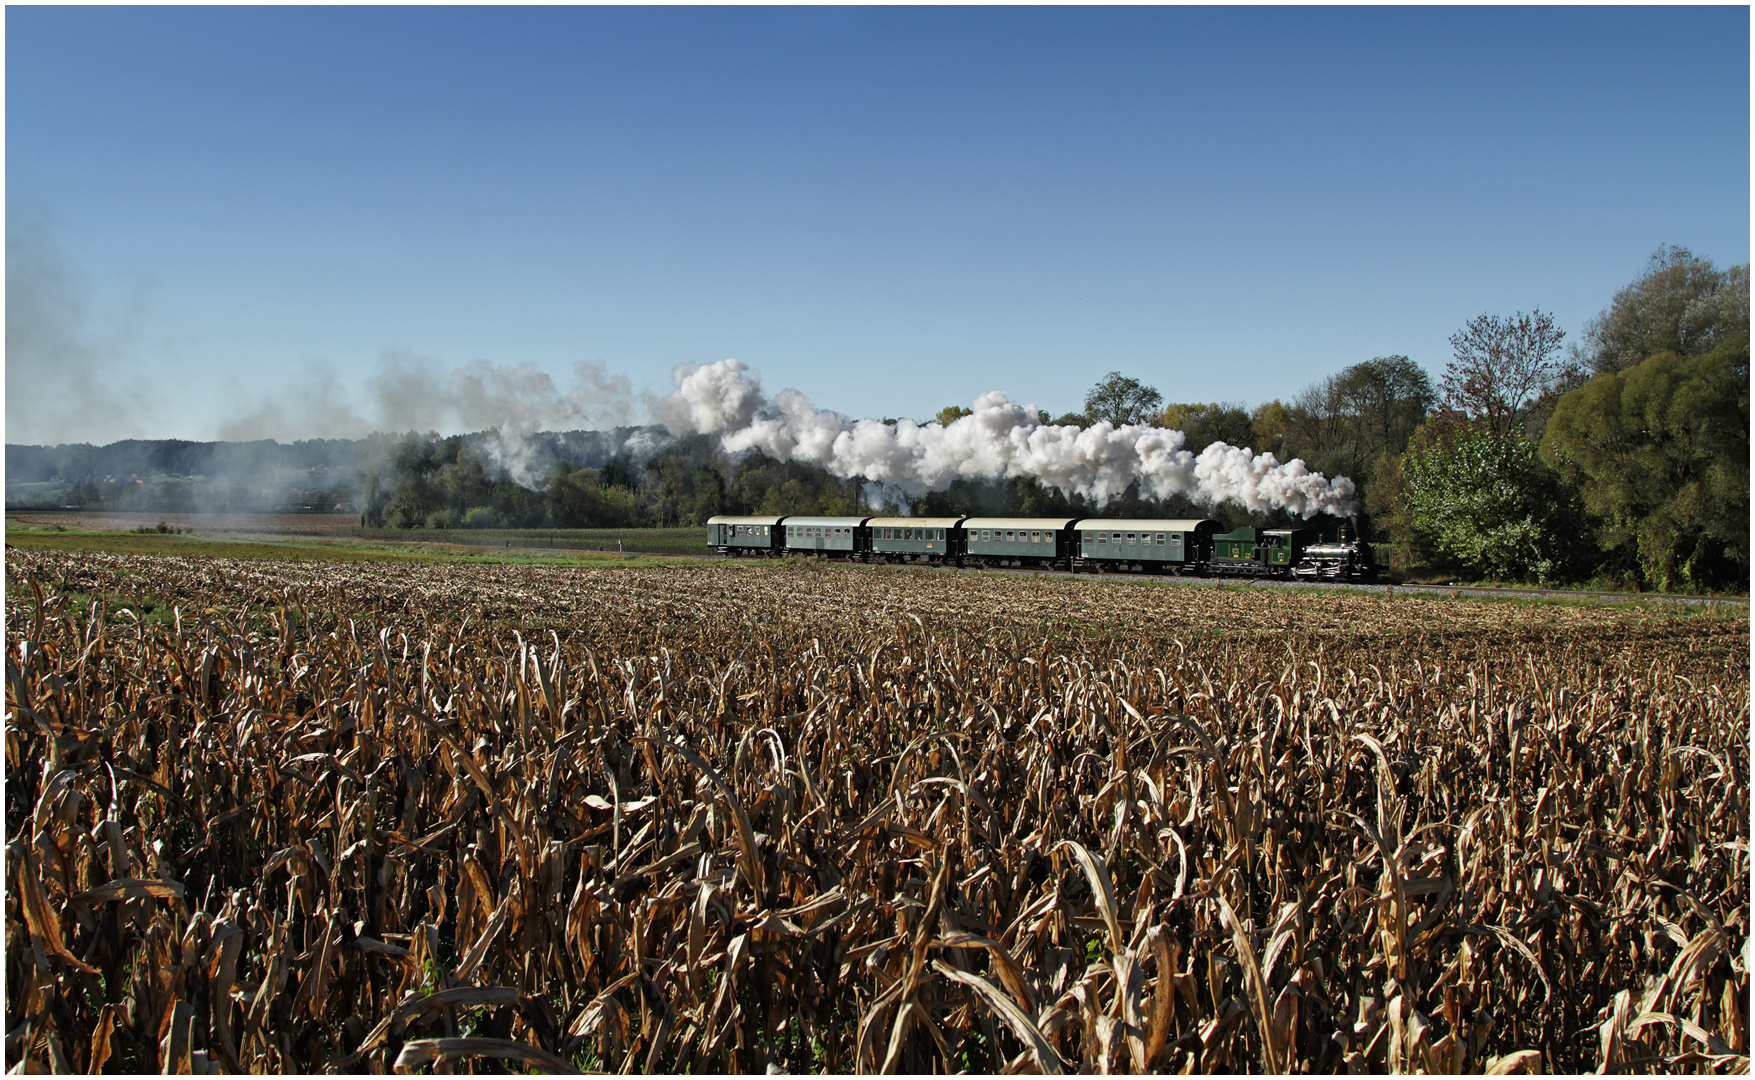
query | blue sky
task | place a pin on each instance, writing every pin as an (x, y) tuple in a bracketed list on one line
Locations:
[(889, 209)]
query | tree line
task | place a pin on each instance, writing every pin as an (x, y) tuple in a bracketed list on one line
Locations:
[(1622, 457)]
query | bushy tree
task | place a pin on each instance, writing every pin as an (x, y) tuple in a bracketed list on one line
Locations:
[(1268, 425), (1660, 454), (1206, 424), (1120, 400), (1681, 304), (1349, 423), (1483, 501)]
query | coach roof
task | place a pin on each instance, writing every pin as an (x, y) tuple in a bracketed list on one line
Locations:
[(1145, 524), (914, 523), (1018, 523)]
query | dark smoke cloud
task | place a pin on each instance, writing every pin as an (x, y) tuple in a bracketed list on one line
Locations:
[(67, 375)]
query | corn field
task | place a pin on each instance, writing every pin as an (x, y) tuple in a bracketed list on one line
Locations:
[(283, 817)]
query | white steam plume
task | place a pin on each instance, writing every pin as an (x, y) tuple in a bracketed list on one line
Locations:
[(409, 393), (1000, 440)]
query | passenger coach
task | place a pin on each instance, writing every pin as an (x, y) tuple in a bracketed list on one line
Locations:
[(1145, 545), (930, 540), (1018, 542), (745, 535)]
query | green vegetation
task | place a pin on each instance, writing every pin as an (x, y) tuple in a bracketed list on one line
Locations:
[(1641, 480), (1659, 451), (1486, 502)]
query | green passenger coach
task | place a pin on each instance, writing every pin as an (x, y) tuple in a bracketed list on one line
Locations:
[(1017, 541), (829, 535), (922, 539), (1145, 543), (759, 536)]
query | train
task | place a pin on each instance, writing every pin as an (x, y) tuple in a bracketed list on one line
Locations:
[(1192, 546)]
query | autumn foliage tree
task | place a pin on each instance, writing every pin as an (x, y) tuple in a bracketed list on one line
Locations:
[(1503, 367)]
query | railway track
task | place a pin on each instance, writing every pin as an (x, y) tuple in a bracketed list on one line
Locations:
[(1603, 596), (1391, 589)]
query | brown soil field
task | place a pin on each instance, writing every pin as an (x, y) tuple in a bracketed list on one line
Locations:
[(269, 816)]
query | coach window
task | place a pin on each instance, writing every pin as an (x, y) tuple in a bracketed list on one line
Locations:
[(1160, 539)]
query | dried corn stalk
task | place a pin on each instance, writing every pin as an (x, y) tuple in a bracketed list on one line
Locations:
[(376, 817)]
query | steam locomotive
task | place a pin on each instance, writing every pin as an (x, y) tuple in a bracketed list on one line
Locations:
[(1092, 545)]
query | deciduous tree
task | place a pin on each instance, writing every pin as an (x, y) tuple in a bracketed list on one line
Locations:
[(1121, 400), (1485, 502), (1347, 423), (1660, 453), (1503, 367), (1681, 304), (1206, 424)]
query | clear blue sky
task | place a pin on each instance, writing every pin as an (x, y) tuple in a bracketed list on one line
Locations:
[(890, 209)]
